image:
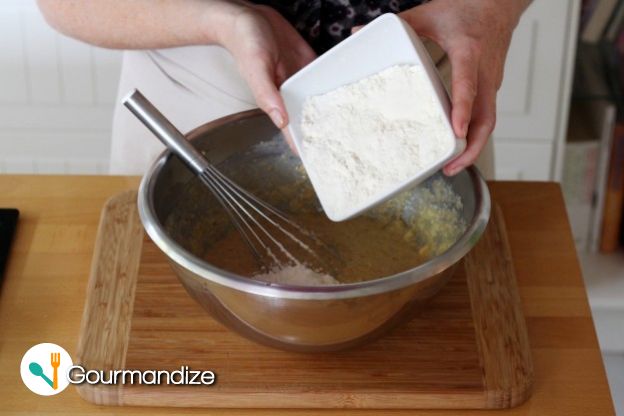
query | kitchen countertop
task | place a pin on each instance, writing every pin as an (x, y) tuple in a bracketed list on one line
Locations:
[(42, 296)]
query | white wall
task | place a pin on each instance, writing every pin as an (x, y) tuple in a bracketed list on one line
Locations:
[(533, 102), (56, 96)]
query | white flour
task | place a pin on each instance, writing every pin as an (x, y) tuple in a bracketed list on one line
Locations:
[(297, 275), (365, 138)]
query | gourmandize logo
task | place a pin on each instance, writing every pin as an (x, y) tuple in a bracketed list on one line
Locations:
[(55, 361), (44, 369), (47, 369)]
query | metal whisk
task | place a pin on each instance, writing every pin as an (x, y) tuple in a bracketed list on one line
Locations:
[(273, 238)]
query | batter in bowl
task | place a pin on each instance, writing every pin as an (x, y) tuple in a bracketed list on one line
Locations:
[(396, 236)]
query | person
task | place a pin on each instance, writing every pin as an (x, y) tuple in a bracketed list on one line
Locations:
[(199, 60)]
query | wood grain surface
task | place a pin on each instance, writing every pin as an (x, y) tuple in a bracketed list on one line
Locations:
[(43, 296), (106, 321), (469, 349)]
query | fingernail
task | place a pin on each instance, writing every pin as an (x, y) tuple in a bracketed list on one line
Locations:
[(277, 118), (454, 170)]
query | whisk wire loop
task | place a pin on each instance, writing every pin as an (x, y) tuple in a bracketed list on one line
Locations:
[(273, 238)]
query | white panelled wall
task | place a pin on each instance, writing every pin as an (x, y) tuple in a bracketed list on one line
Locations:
[(534, 100), (56, 96)]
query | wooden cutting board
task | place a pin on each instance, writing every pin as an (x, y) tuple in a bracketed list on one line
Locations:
[(468, 349)]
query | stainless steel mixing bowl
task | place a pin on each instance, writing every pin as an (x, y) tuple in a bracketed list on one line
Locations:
[(307, 319)]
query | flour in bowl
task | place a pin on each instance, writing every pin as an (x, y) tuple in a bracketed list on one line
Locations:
[(364, 139), (298, 275)]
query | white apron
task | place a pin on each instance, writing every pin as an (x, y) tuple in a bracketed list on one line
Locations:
[(191, 85)]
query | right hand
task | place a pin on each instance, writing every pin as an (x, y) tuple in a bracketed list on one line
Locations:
[(267, 50)]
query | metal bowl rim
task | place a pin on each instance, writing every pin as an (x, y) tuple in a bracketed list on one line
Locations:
[(205, 270)]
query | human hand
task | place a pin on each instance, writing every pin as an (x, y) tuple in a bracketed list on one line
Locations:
[(476, 35), (267, 50)]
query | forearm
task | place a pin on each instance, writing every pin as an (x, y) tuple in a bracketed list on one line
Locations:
[(141, 24)]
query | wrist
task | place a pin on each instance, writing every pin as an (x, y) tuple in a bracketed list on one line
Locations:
[(218, 20)]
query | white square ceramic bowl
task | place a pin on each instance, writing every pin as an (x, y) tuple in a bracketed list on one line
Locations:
[(385, 42)]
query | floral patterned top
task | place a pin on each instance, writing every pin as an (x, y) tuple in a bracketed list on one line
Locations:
[(324, 23)]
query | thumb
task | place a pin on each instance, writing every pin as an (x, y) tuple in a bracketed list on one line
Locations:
[(419, 18), (261, 79)]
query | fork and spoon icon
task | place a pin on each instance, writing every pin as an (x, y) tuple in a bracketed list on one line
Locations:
[(55, 361)]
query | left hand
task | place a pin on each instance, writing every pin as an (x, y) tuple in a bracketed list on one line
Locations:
[(476, 35), (267, 50)]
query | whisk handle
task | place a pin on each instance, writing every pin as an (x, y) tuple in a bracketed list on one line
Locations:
[(164, 130)]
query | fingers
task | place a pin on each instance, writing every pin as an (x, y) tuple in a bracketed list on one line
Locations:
[(476, 42), (305, 54), (356, 28), (293, 61), (464, 64), (420, 19), (463, 55), (289, 141), (481, 127), (268, 74), (261, 75), (282, 73)]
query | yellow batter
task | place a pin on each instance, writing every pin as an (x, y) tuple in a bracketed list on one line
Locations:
[(383, 242)]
